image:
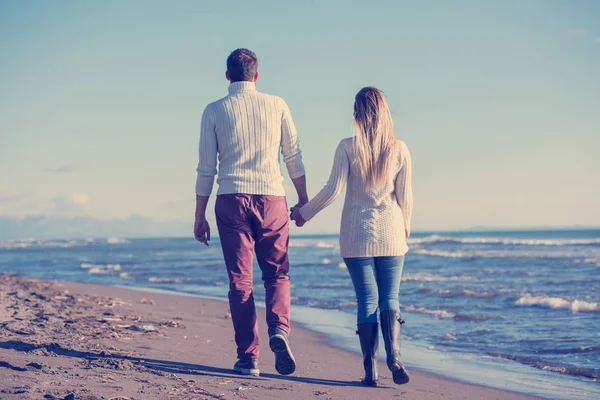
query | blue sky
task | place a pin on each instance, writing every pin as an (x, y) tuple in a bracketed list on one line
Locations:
[(499, 101)]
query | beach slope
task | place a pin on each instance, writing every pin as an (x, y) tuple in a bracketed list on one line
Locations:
[(62, 340)]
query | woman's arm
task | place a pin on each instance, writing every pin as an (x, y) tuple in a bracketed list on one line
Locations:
[(403, 188), (333, 187)]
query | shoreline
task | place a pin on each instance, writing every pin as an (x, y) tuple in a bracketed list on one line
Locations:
[(490, 372), (100, 341)]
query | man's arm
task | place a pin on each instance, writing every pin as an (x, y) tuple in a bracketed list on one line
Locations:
[(300, 185), (292, 156), (207, 154), (201, 226), (207, 169)]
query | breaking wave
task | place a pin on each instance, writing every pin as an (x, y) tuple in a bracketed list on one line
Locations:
[(427, 277), (320, 244), (94, 269), (33, 243), (439, 313), (154, 279), (462, 293), (505, 253), (506, 241), (558, 303), (546, 366), (113, 240)]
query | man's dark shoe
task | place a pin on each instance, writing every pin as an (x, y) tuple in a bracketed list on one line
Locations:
[(285, 363), (247, 367)]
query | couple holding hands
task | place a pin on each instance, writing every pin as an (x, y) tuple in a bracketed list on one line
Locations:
[(245, 132)]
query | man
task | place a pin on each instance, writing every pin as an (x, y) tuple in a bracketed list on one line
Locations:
[(246, 131)]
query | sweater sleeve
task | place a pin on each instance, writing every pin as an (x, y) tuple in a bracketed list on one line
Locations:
[(290, 146), (334, 186), (403, 187), (207, 154)]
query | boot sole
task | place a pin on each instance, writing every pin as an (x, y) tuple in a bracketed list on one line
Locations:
[(285, 363), (400, 376)]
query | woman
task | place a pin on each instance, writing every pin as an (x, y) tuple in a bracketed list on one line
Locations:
[(375, 224)]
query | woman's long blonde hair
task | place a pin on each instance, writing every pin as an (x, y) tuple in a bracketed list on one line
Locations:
[(374, 140)]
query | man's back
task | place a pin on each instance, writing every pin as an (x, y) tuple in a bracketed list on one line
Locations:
[(245, 132), (247, 129)]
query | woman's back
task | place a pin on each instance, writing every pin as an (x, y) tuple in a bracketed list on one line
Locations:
[(359, 185), (374, 220)]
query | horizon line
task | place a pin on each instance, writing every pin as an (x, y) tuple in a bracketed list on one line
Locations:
[(304, 235)]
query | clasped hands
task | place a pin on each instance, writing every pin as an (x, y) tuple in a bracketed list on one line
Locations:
[(296, 216)]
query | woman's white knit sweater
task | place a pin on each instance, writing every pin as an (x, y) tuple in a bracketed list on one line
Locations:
[(373, 222)]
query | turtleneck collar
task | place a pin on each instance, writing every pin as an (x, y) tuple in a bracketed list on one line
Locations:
[(242, 86)]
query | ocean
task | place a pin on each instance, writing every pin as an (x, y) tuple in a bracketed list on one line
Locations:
[(515, 310)]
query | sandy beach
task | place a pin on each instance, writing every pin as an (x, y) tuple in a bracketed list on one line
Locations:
[(63, 340)]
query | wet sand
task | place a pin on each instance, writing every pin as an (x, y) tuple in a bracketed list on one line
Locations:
[(62, 340)]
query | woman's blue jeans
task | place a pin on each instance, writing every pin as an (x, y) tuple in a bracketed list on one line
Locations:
[(376, 282)]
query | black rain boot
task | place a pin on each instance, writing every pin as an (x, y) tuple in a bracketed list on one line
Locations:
[(390, 327), (368, 335)]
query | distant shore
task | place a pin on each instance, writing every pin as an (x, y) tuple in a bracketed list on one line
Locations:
[(78, 341)]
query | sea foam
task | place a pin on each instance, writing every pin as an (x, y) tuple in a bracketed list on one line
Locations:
[(114, 240), (154, 279), (505, 241), (427, 277), (558, 303), (440, 313)]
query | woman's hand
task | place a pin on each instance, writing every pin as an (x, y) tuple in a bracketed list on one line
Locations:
[(407, 233), (296, 216)]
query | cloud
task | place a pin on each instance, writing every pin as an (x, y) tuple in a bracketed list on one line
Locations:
[(9, 197), (16, 203), (5, 196), (65, 169), (71, 203), (79, 199)]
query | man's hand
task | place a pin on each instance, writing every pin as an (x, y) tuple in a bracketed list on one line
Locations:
[(296, 216), (202, 230)]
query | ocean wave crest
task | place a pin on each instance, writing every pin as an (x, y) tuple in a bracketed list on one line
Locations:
[(504, 253), (14, 244), (506, 241), (427, 277), (445, 314), (154, 279), (558, 303), (115, 240), (461, 293), (95, 269), (443, 253), (546, 366), (320, 244), (592, 261), (27, 243)]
